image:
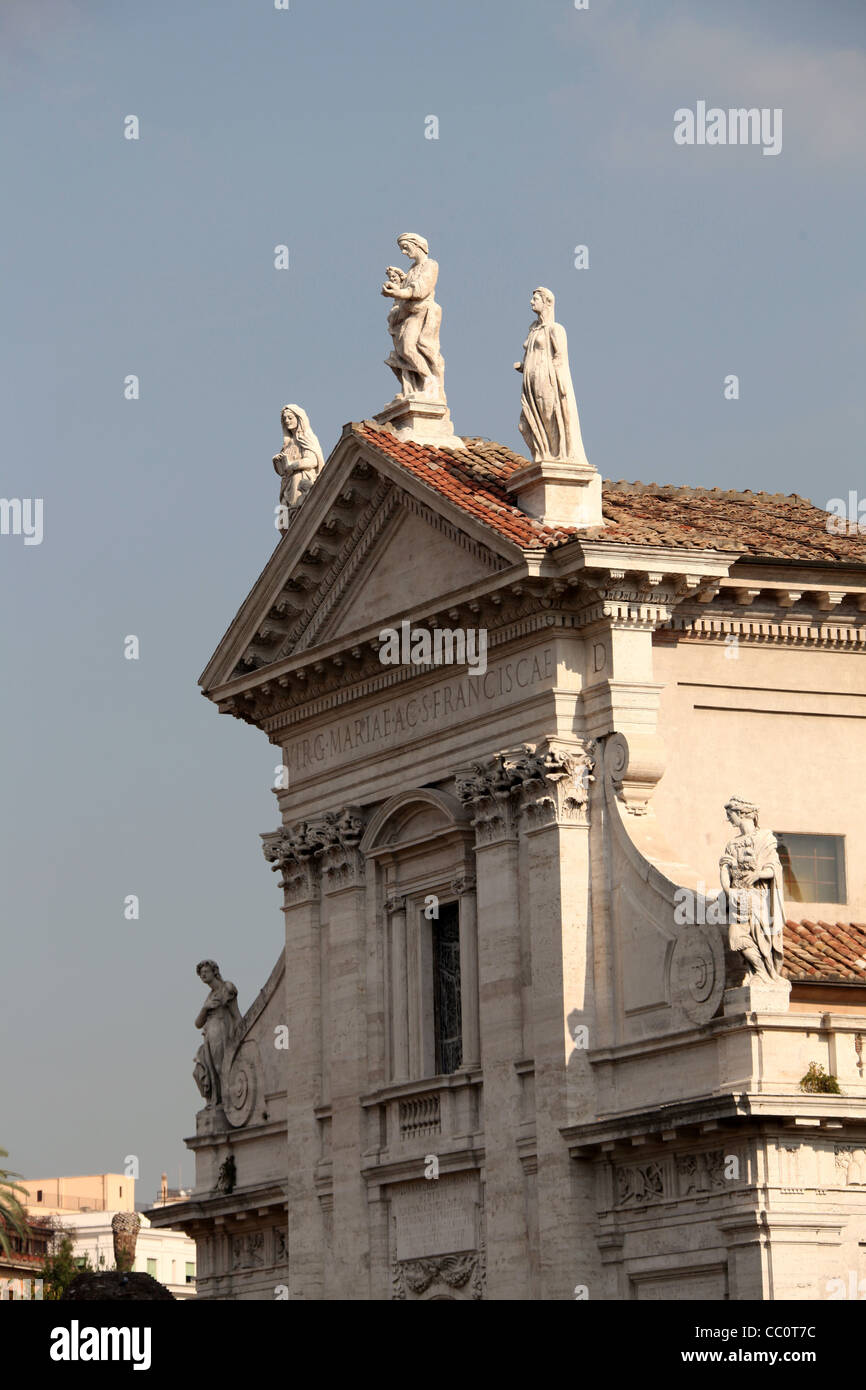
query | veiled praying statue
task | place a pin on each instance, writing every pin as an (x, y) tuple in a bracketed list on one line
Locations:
[(218, 1018), (751, 875), (299, 461), (414, 323), (548, 418)]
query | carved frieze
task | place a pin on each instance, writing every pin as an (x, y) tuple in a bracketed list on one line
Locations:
[(416, 1277), (248, 1251), (703, 1172), (851, 1161)]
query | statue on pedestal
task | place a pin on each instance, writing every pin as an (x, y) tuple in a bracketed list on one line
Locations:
[(751, 875), (414, 323), (548, 417)]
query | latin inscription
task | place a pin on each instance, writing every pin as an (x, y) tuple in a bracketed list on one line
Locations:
[(399, 721), (437, 1218)]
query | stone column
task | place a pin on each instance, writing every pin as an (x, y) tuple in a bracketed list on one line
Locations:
[(287, 851), (344, 908), (395, 907), (465, 888), (554, 819), (490, 798)]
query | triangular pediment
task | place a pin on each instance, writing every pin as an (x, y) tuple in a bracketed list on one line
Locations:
[(370, 544), (416, 560)]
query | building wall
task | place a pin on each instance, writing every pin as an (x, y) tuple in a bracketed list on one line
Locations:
[(782, 725)]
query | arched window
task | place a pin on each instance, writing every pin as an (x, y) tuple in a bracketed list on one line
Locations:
[(423, 847)]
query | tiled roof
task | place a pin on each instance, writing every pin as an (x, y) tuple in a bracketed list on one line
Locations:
[(765, 524), (825, 951)]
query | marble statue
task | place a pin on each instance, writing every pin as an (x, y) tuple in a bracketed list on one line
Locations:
[(299, 461), (124, 1232), (548, 418), (218, 1018), (414, 323), (751, 875)]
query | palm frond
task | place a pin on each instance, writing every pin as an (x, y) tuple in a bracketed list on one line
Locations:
[(12, 1214)]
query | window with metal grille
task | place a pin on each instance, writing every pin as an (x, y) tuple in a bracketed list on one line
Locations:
[(446, 989), (813, 867)]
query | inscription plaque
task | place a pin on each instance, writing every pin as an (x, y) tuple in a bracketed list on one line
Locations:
[(435, 1217)]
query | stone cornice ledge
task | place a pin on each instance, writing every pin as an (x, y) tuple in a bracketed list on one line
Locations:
[(667, 1122)]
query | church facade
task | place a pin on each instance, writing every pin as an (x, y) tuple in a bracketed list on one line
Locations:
[(526, 1039)]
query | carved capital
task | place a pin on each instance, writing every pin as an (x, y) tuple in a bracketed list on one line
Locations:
[(394, 902), (321, 849), (463, 884), (545, 784), (555, 785)]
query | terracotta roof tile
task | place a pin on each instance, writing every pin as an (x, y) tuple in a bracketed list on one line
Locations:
[(825, 951), (763, 524)]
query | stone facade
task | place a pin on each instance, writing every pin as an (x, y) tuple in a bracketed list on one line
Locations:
[(626, 1119)]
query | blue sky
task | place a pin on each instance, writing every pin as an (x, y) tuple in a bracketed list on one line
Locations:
[(156, 257)]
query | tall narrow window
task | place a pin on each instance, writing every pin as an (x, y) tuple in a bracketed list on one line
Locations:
[(446, 989)]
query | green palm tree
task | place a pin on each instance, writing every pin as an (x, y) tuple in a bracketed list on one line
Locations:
[(13, 1217)]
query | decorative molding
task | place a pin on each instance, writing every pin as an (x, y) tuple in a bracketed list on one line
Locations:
[(634, 767), (850, 636)]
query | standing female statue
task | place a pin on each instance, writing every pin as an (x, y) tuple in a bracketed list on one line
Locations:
[(300, 459), (548, 418), (414, 323), (751, 875), (218, 1017)]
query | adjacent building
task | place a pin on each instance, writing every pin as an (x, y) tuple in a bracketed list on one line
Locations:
[(84, 1207)]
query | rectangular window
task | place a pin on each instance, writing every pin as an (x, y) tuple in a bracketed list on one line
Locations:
[(446, 989), (39, 1194), (813, 866), (151, 1268), (190, 1272)]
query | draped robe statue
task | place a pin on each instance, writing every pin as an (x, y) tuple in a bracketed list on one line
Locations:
[(548, 417), (218, 1018), (299, 461), (751, 875), (414, 323)]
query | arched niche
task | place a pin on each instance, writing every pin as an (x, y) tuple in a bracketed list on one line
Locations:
[(414, 818)]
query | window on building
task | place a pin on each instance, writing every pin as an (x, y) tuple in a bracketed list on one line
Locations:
[(813, 867), (39, 1194), (446, 989), (151, 1268), (190, 1272)]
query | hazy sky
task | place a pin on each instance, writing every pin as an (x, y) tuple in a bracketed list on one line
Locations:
[(155, 257)]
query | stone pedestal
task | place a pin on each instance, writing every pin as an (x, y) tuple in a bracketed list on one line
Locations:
[(758, 997), (421, 421), (559, 492)]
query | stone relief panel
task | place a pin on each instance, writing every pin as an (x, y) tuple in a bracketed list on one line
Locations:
[(671, 1178), (851, 1165), (248, 1251)]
